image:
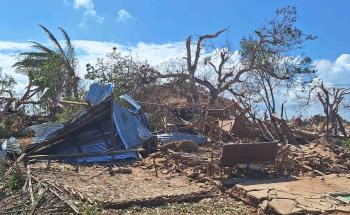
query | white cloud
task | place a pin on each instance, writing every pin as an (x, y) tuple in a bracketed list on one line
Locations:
[(6, 63), (123, 15), (89, 12), (8, 45), (87, 4), (335, 73)]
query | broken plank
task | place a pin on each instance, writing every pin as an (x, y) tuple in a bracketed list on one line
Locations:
[(71, 205), (19, 159), (82, 155), (30, 185)]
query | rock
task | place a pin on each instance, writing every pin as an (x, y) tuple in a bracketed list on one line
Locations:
[(263, 205), (165, 171), (191, 173), (205, 201), (187, 146), (284, 206)]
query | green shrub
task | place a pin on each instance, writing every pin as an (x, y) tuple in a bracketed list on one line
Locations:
[(15, 181), (2, 170), (346, 143), (89, 210)]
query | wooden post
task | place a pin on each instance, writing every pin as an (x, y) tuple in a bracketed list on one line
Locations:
[(48, 164), (327, 131), (282, 108), (155, 166)]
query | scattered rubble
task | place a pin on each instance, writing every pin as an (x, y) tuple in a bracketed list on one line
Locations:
[(106, 157), (293, 195)]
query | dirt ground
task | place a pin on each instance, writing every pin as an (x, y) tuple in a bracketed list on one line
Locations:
[(96, 184), (211, 206)]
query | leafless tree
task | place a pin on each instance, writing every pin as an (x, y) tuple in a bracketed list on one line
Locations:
[(271, 52), (331, 99)]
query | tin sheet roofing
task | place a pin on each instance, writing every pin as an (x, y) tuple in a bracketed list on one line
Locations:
[(97, 93)]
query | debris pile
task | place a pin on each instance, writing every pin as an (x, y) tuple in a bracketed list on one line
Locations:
[(108, 147), (24, 193)]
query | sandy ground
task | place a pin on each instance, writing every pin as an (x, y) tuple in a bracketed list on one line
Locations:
[(98, 185)]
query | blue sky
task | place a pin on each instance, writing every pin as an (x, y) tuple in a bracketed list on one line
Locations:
[(155, 21), (155, 30)]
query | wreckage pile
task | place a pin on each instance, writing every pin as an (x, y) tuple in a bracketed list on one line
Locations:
[(189, 145), (317, 158), (24, 193)]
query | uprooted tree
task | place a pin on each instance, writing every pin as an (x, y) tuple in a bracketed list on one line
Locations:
[(269, 54)]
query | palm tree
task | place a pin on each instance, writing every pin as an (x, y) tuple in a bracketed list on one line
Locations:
[(46, 62)]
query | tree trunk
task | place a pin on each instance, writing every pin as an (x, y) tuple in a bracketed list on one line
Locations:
[(213, 97)]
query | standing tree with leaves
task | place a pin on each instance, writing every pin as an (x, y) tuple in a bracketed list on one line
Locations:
[(51, 72), (124, 72), (7, 94), (274, 48)]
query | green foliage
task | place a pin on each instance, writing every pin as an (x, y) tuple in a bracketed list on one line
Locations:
[(90, 210), (69, 111), (67, 114), (346, 143), (272, 48), (126, 74), (6, 83), (155, 121), (2, 170), (16, 181), (51, 71), (7, 130)]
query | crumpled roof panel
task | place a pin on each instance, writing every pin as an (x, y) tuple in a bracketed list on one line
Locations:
[(134, 103), (97, 93), (44, 131), (177, 136), (126, 126)]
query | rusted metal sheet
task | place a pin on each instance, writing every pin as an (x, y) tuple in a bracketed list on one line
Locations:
[(246, 153), (237, 127)]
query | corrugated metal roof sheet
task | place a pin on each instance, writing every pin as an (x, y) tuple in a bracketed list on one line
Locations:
[(44, 131), (135, 104), (143, 132), (126, 125), (95, 135), (97, 93), (176, 136), (102, 147), (141, 120)]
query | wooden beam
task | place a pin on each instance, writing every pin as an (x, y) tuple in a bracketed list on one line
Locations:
[(74, 103), (82, 155)]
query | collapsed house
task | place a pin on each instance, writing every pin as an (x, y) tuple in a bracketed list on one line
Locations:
[(101, 130)]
